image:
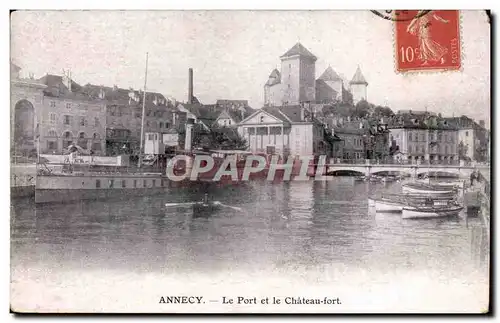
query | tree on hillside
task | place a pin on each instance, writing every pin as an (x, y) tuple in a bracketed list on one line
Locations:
[(362, 109), (381, 111)]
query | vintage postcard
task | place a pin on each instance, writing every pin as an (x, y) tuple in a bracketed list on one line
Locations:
[(250, 161)]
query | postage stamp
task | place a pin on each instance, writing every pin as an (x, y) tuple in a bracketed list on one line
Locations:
[(427, 40)]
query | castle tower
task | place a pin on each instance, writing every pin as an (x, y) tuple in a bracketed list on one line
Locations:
[(298, 69), (272, 89), (358, 86), (329, 87)]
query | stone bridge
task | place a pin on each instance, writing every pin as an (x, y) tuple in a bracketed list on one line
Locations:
[(412, 169)]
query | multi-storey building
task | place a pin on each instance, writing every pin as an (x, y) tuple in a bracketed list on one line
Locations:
[(25, 112), (124, 116), (362, 139), (286, 131), (68, 115), (473, 138), (424, 137)]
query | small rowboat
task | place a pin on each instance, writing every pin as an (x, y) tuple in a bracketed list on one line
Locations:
[(427, 212)]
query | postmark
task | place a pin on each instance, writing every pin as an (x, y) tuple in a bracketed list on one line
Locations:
[(427, 42), (399, 15)]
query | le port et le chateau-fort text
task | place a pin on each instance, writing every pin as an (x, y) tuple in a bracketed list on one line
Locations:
[(240, 300)]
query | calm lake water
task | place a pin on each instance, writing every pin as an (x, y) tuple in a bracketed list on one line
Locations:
[(314, 233)]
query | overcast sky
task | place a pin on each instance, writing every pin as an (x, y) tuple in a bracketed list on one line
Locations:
[(232, 53)]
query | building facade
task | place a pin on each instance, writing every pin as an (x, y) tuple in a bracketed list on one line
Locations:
[(25, 112), (69, 116), (473, 139), (424, 138), (285, 131), (124, 116)]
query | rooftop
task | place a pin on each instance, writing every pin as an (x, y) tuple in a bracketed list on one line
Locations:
[(358, 77), (300, 50)]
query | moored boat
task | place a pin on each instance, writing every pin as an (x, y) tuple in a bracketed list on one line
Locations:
[(429, 189), (389, 206), (426, 212)]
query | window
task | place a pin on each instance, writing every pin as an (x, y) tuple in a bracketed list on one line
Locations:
[(124, 183), (51, 145), (96, 122), (52, 118), (68, 105), (96, 146), (151, 137), (135, 183), (154, 183), (167, 125), (161, 124), (52, 104), (446, 150), (67, 119), (422, 137), (96, 136), (467, 134), (261, 118), (409, 149), (162, 183), (67, 134), (229, 122), (111, 183), (410, 137), (97, 183), (52, 133), (145, 183), (147, 123)]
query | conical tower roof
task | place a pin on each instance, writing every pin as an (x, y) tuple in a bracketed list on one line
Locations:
[(299, 49), (330, 75), (275, 73), (358, 78)]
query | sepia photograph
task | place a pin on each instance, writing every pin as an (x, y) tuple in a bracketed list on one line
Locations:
[(250, 161)]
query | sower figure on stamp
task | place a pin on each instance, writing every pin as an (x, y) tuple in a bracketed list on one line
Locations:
[(429, 49)]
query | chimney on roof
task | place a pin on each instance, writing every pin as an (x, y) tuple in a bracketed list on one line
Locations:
[(190, 87), (66, 79)]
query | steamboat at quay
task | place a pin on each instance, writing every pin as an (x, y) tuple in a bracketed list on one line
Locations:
[(72, 181)]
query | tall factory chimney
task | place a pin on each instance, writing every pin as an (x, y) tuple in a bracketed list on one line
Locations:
[(188, 141), (190, 86)]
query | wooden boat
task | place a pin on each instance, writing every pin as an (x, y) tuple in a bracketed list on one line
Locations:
[(427, 212), (429, 189), (456, 184), (389, 206), (360, 178), (396, 202)]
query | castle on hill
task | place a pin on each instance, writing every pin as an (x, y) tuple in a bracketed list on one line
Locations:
[(296, 82)]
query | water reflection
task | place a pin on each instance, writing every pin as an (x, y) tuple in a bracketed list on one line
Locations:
[(284, 225)]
